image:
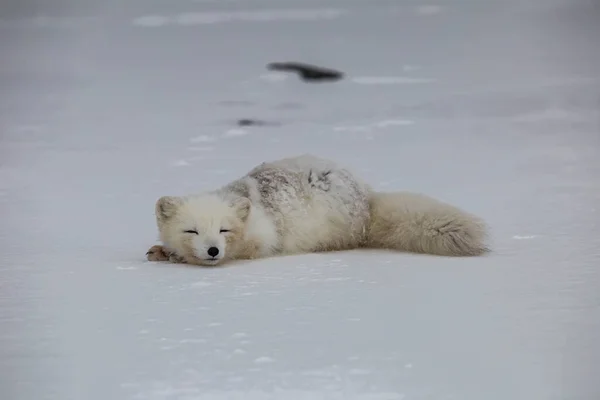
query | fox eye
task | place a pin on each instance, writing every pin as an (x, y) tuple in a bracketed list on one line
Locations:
[(195, 232), (224, 230)]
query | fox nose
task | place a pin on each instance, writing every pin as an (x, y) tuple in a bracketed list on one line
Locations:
[(213, 251)]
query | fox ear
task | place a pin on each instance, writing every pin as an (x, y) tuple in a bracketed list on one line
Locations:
[(166, 206), (242, 207)]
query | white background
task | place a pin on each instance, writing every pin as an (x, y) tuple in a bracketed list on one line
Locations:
[(106, 106)]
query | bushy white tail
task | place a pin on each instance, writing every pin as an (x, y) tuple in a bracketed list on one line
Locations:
[(417, 223)]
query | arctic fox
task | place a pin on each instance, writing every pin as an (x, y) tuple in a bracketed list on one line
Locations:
[(307, 204)]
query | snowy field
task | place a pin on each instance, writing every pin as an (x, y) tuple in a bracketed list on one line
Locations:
[(493, 106)]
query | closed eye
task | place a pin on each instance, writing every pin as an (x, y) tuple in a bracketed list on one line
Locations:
[(224, 230), (195, 232)]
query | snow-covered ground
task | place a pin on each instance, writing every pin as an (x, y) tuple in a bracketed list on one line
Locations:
[(105, 106)]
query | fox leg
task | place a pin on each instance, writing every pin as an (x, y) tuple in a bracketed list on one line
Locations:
[(160, 253)]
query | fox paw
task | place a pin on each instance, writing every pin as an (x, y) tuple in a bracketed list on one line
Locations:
[(320, 180), (157, 253), (175, 259)]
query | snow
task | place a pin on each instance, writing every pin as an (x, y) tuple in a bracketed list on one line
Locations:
[(106, 106)]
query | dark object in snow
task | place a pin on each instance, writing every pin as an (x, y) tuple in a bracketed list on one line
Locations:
[(255, 122), (307, 72), (250, 122)]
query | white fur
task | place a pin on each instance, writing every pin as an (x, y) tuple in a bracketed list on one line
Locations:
[(262, 228), (205, 214), (306, 204)]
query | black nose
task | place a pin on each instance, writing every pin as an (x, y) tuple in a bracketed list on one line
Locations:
[(213, 251)]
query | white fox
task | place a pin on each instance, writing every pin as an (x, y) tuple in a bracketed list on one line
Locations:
[(307, 204)]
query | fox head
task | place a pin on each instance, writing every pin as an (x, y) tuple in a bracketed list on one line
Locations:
[(203, 230)]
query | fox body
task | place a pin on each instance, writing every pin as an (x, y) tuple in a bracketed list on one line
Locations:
[(307, 204)]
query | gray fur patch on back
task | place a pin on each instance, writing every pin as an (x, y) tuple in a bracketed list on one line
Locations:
[(320, 180), (276, 187), (238, 188), (285, 181), (350, 192)]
